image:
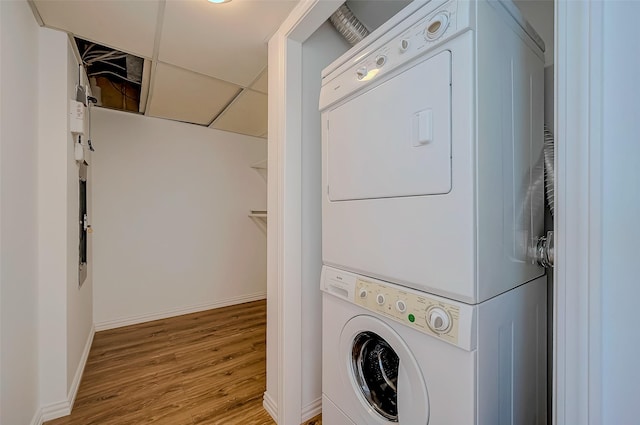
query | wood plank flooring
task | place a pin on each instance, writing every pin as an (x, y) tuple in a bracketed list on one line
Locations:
[(196, 369)]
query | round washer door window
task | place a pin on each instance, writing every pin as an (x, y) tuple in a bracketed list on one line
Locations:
[(375, 368), (388, 385)]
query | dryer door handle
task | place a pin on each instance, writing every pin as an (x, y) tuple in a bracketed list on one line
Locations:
[(422, 127)]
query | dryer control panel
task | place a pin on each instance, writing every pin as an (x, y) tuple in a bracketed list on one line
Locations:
[(419, 34), (445, 319)]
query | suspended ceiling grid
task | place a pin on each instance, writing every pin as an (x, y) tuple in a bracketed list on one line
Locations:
[(207, 62)]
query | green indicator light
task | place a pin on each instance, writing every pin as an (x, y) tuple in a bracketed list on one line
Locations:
[(412, 318)]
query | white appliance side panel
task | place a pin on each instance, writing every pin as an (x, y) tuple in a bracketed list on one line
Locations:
[(512, 353), (510, 180), (394, 139), (424, 242)]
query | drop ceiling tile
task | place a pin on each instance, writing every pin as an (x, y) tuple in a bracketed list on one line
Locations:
[(262, 83), (227, 41), (182, 95), (247, 115), (129, 26)]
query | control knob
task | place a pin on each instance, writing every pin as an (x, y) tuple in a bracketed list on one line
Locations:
[(363, 293), (401, 306), (380, 299), (361, 73), (404, 45), (437, 26), (438, 319)]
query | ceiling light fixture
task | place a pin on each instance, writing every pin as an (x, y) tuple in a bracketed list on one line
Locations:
[(219, 1)]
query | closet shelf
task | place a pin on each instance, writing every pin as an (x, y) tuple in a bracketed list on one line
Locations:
[(260, 165), (261, 168), (260, 218)]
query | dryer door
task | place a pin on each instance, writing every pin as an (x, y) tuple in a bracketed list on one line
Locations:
[(395, 138), (386, 380)]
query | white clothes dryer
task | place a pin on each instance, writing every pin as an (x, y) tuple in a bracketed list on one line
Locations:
[(432, 136), (392, 355)]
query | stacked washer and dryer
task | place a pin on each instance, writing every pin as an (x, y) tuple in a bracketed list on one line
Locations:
[(433, 312)]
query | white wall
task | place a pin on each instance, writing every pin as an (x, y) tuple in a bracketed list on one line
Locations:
[(171, 231), (79, 299), (65, 310), (52, 215), (318, 51), (621, 210), (18, 219), (44, 314)]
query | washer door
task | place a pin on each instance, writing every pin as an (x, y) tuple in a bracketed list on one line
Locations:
[(374, 365), (383, 373)]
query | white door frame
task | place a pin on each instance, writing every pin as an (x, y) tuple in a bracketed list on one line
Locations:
[(577, 373), (577, 337), (284, 231)]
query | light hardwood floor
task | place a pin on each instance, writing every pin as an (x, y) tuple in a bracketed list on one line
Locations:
[(201, 368)]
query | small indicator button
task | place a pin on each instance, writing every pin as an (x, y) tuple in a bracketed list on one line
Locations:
[(411, 318), (380, 61)]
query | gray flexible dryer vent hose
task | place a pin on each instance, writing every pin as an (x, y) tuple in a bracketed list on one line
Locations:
[(348, 25), (549, 157), (544, 251)]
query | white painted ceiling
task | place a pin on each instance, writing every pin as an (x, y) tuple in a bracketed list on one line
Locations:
[(207, 61)]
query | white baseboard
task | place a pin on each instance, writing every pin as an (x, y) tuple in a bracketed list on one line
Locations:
[(75, 385), (270, 406), (134, 320), (312, 409), (63, 408), (55, 410), (309, 411), (37, 418)]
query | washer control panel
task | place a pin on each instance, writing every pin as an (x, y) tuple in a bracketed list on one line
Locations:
[(445, 319), (422, 312)]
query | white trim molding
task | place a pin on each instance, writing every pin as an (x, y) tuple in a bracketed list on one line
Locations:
[(309, 411), (55, 410), (312, 410), (577, 362), (270, 405), (77, 378), (284, 234), (37, 418), (63, 408), (142, 318)]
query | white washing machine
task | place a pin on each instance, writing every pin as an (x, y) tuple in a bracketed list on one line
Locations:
[(393, 355), (432, 135)]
